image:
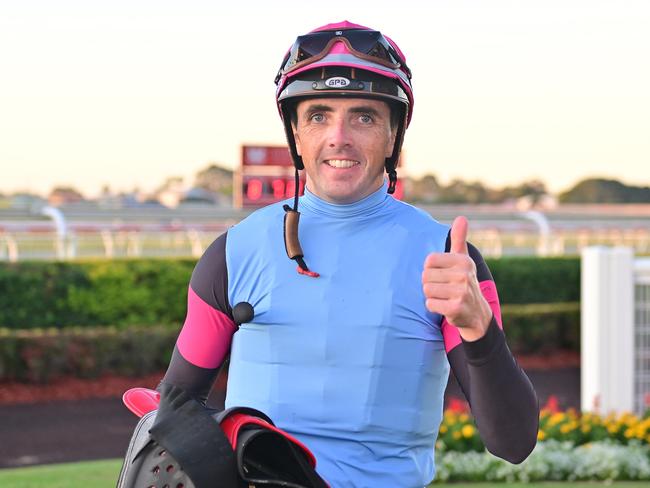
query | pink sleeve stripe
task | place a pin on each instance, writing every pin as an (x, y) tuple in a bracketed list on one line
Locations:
[(450, 333), (205, 338)]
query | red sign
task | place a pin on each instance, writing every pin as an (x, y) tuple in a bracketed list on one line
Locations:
[(264, 190), (266, 156)]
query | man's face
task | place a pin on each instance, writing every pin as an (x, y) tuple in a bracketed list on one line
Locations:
[(344, 144)]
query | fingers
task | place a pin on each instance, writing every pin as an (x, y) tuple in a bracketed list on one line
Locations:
[(458, 235), (442, 291), (447, 307), (440, 260), (443, 275), (449, 279)]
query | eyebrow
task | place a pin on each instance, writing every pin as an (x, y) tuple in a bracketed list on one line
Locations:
[(320, 107), (365, 110)]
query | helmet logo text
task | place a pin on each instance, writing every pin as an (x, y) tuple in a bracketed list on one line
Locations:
[(337, 82)]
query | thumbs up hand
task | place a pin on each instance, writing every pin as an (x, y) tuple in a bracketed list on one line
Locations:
[(451, 288)]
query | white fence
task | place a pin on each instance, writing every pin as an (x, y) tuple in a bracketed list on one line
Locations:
[(615, 330), (117, 241), (642, 334), (91, 232)]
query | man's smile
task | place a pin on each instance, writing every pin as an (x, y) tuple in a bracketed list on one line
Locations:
[(341, 163)]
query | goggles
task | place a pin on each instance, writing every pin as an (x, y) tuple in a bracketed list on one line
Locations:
[(369, 45)]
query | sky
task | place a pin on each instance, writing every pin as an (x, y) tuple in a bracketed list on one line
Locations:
[(128, 93)]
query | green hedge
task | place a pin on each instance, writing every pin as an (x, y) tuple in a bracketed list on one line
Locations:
[(38, 355), (542, 327), (118, 293), (536, 280), (147, 292)]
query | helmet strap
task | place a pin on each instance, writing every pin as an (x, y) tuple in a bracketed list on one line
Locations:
[(392, 181), (291, 141), (391, 162)]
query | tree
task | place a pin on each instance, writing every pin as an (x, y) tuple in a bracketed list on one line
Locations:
[(424, 190), (601, 190), (61, 195), (534, 189), (215, 179)]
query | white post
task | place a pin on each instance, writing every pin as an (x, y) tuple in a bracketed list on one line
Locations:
[(61, 229), (607, 329), (195, 243), (544, 230), (12, 248), (107, 240)]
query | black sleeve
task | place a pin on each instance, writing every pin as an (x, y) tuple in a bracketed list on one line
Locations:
[(501, 396), (210, 282)]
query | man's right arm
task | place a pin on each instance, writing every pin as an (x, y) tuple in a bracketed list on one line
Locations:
[(204, 341)]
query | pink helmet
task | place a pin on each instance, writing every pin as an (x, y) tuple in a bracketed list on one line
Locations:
[(346, 59)]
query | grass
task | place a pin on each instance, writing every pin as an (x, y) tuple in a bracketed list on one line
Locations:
[(95, 474), (103, 474)]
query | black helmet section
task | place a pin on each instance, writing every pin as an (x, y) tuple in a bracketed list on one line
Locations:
[(155, 467)]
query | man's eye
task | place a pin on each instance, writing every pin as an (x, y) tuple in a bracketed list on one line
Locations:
[(317, 117), (365, 119)]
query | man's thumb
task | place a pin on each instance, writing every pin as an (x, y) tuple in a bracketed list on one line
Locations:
[(458, 235)]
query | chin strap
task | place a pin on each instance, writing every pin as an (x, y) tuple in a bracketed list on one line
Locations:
[(392, 181), (291, 242)]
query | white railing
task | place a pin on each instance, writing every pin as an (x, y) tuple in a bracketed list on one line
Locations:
[(108, 242), (91, 231), (43, 241), (642, 334)]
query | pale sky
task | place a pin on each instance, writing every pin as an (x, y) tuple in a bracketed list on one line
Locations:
[(127, 93)]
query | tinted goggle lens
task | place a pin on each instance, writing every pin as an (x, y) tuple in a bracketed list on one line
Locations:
[(368, 43)]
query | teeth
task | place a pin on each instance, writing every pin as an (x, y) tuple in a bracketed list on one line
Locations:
[(341, 163)]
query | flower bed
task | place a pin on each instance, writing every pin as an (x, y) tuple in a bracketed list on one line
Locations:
[(572, 446), (579, 429), (458, 431)]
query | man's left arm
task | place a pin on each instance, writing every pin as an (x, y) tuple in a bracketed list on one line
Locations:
[(459, 285)]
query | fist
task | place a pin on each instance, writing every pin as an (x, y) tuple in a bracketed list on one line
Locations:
[(451, 288)]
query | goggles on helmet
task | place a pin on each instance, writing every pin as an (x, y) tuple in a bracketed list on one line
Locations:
[(369, 45)]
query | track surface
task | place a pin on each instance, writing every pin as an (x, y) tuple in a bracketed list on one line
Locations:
[(65, 431)]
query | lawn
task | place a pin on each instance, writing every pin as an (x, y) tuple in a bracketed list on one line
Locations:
[(103, 474), (95, 474)]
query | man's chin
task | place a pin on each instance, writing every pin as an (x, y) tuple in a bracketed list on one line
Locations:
[(341, 194)]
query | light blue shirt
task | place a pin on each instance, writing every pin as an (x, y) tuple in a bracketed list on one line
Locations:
[(351, 362)]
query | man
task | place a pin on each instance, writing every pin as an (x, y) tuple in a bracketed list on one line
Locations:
[(351, 353)]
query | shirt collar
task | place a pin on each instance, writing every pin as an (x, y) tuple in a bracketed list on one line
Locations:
[(367, 205)]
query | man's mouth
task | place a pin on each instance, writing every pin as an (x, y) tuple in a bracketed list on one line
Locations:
[(341, 163)]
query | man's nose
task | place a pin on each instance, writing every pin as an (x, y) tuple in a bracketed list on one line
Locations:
[(339, 134)]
